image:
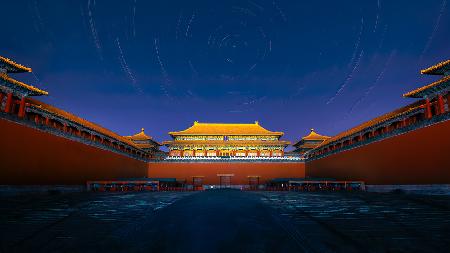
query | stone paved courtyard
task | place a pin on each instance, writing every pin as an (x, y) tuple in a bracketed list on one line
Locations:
[(225, 221)]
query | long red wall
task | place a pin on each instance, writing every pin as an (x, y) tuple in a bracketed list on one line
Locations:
[(417, 157), (241, 171), (30, 156)]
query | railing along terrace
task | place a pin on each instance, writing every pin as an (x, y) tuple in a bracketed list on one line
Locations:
[(232, 159)]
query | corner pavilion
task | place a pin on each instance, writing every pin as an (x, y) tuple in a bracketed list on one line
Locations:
[(219, 139)]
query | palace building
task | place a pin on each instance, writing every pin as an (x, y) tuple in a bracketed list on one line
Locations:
[(44, 145), (225, 140)]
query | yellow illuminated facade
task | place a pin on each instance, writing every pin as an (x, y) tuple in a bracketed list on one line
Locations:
[(218, 139)]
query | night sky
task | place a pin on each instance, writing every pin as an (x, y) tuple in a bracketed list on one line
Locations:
[(291, 65)]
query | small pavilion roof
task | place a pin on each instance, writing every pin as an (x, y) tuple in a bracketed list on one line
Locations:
[(12, 67), (430, 89), (439, 69), (225, 129), (25, 88), (141, 136), (312, 136)]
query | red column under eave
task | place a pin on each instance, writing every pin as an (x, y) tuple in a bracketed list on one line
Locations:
[(9, 101), (427, 108), (441, 107), (1, 98), (22, 108), (448, 101)]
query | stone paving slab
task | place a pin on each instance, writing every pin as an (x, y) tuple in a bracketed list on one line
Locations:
[(225, 221)]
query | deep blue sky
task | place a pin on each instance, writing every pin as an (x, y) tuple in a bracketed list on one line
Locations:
[(292, 65)]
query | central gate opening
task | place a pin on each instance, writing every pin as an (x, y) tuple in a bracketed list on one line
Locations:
[(197, 183), (253, 182), (225, 180)]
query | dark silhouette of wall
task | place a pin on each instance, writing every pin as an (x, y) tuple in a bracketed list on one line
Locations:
[(30, 156), (241, 171), (418, 157)]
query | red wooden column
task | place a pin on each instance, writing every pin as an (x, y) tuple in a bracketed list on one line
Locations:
[(47, 121), (9, 100), (2, 95), (22, 108), (440, 102), (448, 102), (406, 122), (427, 109)]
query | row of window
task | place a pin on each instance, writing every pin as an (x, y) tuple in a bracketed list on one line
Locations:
[(225, 138)]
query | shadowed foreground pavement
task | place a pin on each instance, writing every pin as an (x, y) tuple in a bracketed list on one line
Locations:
[(225, 221)]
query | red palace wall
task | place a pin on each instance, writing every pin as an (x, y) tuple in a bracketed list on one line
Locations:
[(30, 156), (417, 157), (241, 171)]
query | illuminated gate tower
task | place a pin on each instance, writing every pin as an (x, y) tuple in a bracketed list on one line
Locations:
[(218, 139)]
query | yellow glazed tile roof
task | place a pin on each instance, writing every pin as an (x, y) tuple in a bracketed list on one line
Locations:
[(14, 64), (313, 136), (434, 70), (415, 93), (141, 136), (225, 129), (36, 91)]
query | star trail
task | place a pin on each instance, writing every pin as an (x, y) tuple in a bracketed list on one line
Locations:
[(292, 65)]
